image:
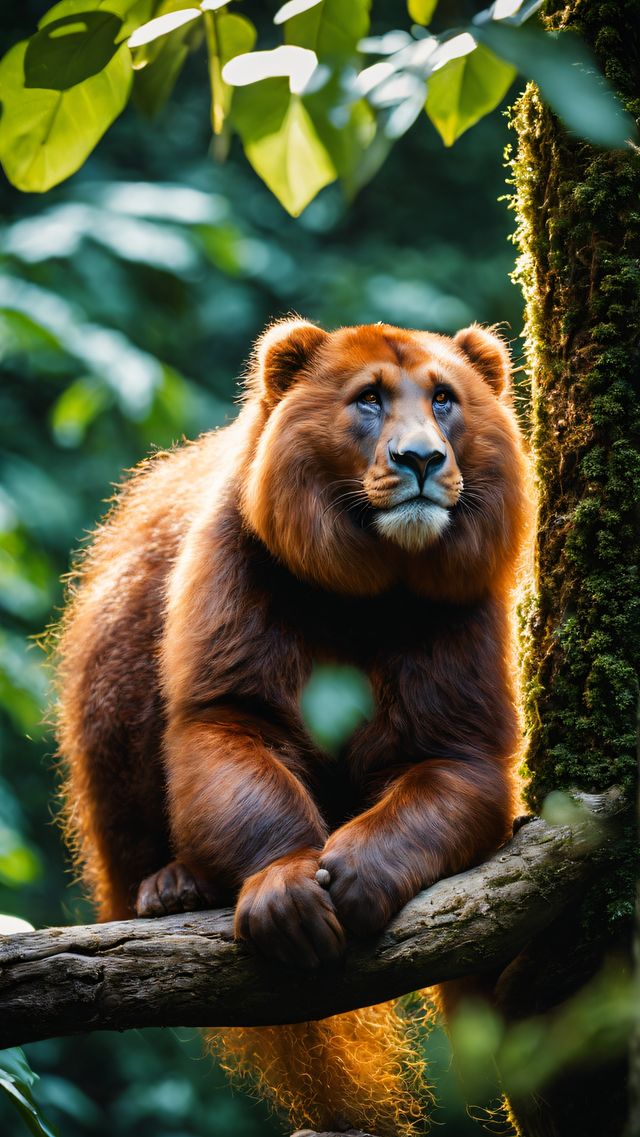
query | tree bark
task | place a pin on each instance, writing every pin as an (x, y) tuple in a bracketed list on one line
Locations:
[(187, 971), (579, 239)]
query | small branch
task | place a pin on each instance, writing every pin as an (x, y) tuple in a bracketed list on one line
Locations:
[(187, 971)]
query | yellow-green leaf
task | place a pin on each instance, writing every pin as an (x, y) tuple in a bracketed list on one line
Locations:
[(228, 35), (465, 89), (281, 143), (421, 11), (47, 134)]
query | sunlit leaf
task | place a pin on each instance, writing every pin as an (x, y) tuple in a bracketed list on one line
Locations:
[(509, 11), (76, 409), (19, 864), (421, 11), (9, 926), (282, 143), (162, 25), (40, 141), (296, 63), (331, 28), (159, 62), (465, 89), (568, 78), (294, 8)]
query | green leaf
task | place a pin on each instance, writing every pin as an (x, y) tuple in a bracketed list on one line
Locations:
[(46, 135), (75, 410), (154, 82), (131, 13), (421, 11), (465, 89), (16, 1080), (19, 865), (227, 36), (568, 78), (158, 62), (70, 49), (331, 28), (163, 25), (293, 8), (282, 143), (13, 1064)]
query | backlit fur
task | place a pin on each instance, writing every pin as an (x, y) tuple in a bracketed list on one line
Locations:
[(224, 569)]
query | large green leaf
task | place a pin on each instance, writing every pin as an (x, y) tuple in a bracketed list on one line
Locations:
[(16, 1080), (568, 78), (282, 143), (130, 12), (47, 134), (330, 28), (66, 51), (465, 89)]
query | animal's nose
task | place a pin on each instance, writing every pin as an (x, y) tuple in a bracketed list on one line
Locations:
[(418, 452)]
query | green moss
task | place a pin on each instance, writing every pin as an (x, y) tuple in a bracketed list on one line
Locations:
[(578, 234)]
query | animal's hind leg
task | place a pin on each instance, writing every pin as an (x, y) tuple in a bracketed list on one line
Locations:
[(116, 828), (110, 736)]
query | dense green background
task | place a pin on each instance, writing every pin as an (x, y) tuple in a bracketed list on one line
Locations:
[(129, 298)]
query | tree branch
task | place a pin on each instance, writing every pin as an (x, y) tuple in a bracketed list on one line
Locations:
[(187, 971)]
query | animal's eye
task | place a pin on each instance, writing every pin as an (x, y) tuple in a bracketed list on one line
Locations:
[(370, 400), (442, 399)]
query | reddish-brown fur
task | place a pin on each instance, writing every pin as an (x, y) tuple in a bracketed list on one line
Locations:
[(225, 569)]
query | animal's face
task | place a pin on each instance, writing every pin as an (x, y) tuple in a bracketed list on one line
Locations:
[(407, 418), (384, 455)]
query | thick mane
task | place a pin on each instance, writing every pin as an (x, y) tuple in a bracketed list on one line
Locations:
[(303, 493)]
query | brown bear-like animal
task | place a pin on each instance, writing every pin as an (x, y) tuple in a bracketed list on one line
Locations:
[(367, 507)]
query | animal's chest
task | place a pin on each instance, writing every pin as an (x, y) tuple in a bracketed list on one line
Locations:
[(358, 630)]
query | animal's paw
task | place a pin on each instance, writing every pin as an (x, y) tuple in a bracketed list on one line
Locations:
[(366, 892), (173, 888), (286, 914)]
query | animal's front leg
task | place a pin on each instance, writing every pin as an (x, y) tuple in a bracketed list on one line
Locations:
[(436, 819), (243, 822)]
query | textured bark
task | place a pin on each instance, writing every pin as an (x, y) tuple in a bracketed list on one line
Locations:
[(579, 238), (187, 971)]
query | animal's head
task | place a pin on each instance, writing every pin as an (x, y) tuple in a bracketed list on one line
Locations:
[(386, 456)]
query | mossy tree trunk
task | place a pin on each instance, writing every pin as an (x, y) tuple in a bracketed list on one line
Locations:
[(578, 215)]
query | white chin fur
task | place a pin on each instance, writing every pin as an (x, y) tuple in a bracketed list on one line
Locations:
[(412, 525)]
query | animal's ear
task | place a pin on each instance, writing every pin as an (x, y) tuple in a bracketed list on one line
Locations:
[(489, 355), (283, 351)]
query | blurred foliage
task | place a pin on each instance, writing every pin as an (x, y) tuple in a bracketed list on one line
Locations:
[(309, 111), (591, 1027), (129, 298)]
